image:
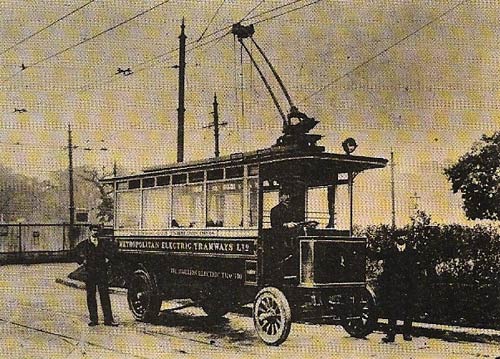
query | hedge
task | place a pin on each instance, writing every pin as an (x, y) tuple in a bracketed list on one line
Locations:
[(458, 271)]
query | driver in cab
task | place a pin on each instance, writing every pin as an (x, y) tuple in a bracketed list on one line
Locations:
[(285, 224), (282, 215)]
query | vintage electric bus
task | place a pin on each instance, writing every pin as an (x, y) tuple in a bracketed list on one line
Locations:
[(201, 230)]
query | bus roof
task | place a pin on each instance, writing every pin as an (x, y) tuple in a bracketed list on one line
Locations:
[(343, 162)]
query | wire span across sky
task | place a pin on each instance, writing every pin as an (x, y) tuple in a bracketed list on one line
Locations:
[(418, 77)]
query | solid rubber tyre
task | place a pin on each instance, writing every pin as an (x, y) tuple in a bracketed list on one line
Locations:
[(143, 296), (272, 316)]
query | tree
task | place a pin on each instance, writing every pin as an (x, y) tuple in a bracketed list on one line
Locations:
[(106, 204), (22, 198), (477, 176)]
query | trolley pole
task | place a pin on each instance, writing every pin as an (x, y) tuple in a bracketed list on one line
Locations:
[(181, 109), (71, 190)]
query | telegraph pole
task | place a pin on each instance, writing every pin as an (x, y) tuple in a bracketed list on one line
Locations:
[(181, 109), (393, 197), (71, 190), (216, 125)]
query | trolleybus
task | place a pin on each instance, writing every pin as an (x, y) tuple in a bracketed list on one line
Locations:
[(202, 230)]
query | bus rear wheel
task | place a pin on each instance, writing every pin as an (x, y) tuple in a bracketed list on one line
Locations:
[(143, 296), (359, 315), (272, 316)]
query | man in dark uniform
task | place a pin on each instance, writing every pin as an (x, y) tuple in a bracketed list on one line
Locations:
[(399, 281), (284, 224), (95, 254), (282, 215)]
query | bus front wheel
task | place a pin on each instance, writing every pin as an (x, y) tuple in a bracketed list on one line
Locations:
[(272, 316), (359, 315), (143, 296)]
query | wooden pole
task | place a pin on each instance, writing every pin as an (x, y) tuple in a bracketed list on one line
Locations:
[(181, 109)]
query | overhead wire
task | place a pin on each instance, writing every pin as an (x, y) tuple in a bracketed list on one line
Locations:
[(46, 27), (273, 9), (90, 38), (252, 10), (287, 12), (195, 42), (163, 55), (378, 54), (216, 32), (211, 20)]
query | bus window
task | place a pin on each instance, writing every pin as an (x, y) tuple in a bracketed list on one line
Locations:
[(253, 202), (225, 204), (270, 199), (317, 205), (156, 208), (342, 207), (128, 209), (187, 206)]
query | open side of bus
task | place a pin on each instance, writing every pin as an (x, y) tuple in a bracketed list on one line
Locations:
[(202, 231)]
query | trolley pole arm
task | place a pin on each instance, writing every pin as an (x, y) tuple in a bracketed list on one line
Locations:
[(275, 73), (273, 96)]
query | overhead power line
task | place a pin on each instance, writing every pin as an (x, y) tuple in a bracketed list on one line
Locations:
[(93, 37), (140, 67), (273, 9), (287, 12), (46, 27), (252, 10), (370, 59), (211, 20)]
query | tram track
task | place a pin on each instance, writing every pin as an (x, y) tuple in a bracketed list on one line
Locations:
[(69, 339), (141, 328)]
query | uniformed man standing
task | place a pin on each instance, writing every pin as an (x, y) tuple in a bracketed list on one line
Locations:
[(398, 282), (95, 254)]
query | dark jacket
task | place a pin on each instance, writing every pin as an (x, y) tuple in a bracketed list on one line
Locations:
[(281, 214), (95, 258), (400, 271)]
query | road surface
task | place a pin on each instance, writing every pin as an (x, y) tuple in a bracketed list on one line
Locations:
[(40, 318)]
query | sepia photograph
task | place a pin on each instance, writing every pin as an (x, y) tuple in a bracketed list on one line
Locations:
[(249, 179)]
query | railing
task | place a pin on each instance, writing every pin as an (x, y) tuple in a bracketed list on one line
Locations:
[(21, 241)]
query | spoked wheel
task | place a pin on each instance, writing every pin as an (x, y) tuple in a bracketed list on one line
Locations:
[(272, 316), (359, 315), (143, 296)]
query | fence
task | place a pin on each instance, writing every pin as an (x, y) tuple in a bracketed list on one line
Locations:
[(37, 242)]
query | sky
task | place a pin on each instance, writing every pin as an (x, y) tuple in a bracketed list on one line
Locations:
[(415, 77)]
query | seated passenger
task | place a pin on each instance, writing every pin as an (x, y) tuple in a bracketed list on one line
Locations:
[(174, 224), (210, 223)]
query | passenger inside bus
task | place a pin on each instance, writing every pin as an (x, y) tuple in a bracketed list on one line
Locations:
[(174, 224), (212, 223)]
